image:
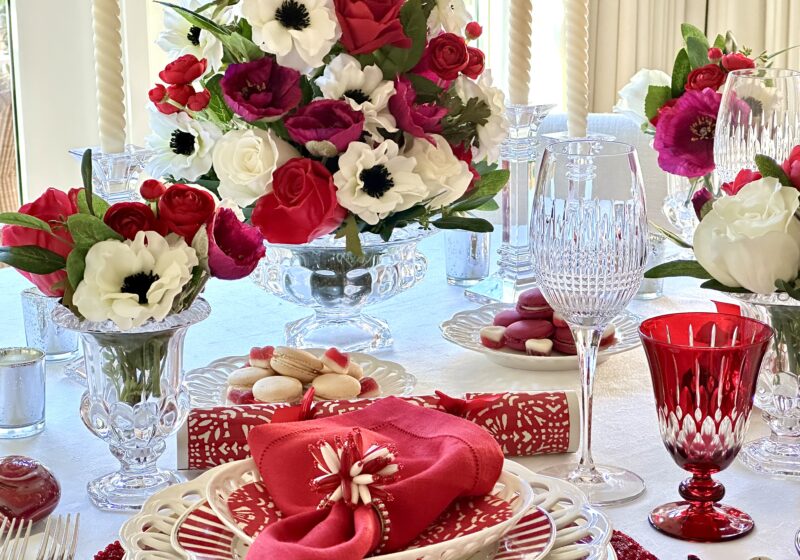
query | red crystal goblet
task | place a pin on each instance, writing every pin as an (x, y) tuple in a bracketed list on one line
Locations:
[(704, 368)]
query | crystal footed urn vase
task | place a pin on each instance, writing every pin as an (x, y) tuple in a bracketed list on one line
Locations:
[(778, 389), (338, 285), (135, 400)]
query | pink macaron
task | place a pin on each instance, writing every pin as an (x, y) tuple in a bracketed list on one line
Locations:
[(527, 329), (532, 305), (507, 317), (564, 343)]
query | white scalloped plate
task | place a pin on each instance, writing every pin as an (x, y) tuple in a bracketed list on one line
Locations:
[(464, 330), (208, 385)]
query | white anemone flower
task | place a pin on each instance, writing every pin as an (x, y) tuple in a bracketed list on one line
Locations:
[(494, 131), (180, 37), (183, 145), (446, 176), (131, 282), (298, 32), (364, 89), (450, 15), (375, 182)]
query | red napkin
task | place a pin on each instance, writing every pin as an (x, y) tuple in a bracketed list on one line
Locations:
[(442, 458)]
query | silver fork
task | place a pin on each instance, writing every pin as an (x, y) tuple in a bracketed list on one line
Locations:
[(60, 538), (15, 544)]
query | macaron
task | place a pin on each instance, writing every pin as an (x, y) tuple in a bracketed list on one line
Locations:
[(355, 370), (531, 304), (335, 361), (260, 357), (295, 363), (521, 331), (247, 376), (493, 337), (506, 318), (539, 347), (369, 388), (334, 386), (278, 388), (563, 342), (558, 321)]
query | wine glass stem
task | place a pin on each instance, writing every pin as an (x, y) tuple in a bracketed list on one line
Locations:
[(587, 342)]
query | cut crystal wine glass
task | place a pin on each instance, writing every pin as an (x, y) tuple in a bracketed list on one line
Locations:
[(589, 237)]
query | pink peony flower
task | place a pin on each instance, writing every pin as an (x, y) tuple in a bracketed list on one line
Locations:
[(324, 121), (420, 120), (261, 89), (744, 177), (234, 248), (792, 166), (685, 134)]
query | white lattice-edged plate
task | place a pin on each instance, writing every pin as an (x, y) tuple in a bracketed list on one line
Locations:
[(464, 330), (518, 497), (208, 385)]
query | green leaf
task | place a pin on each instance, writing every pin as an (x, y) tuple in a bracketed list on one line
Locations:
[(241, 48), (768, 167), (427, 7), (720, 287), (216, 104), (490, 206), (731, 45), (698, 52), (719, 42), (210, 184), (472, 203), (790, 288), (467, 224), (33, 259), (86, 175), (23, 220), (688, 31), (671, 269), (76, 265), (680, 71), (99, 205), (671, 236), (87, 230), (484, 167), (352, 239), (656, 97), (198, 20), (426, 89)]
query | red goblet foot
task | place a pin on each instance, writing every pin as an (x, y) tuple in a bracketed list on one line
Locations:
[(701, 522)]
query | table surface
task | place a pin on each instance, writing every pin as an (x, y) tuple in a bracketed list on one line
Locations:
[(625, 426)]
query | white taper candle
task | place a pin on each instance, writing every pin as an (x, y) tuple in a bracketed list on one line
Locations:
[(519, 61), (576, 14), (106, 26)]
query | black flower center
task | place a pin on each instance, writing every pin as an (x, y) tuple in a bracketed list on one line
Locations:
[(756, 106), (376, 181), (182, 143), (293, 15), (703, 128), (139, 284), (194, 35), (357, 95)]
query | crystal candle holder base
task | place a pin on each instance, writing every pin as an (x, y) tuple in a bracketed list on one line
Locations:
[(115, 176)]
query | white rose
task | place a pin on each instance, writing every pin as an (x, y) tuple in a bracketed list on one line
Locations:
[(752, 239), (245, 160), (632, 96), (446, 177)]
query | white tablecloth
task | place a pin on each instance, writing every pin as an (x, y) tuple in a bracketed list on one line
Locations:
[(625, 428)]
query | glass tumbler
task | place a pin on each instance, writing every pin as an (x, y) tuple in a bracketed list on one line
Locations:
[(22, 392), (466, 257), (41, 331)]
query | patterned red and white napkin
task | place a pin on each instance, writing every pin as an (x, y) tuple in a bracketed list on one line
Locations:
[(523, 424)]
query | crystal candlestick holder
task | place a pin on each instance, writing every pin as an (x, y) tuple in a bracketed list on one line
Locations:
[(520, 154), (115, 176)]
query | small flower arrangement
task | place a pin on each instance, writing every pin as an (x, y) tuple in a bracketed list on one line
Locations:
[(331, 116), (748, 239), (129, 262)]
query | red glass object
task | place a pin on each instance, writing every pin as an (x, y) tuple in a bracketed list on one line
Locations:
[(704, 368), (28, 490)]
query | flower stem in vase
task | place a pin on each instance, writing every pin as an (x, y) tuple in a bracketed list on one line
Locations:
[(134, 364)]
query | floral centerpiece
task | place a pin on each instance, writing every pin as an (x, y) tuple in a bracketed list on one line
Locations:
[(129, 276), (326, 117)]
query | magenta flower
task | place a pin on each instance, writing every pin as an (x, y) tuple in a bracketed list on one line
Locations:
[(685, 134), (326, 127), (234, 248), (700, 198), (261, 89), (420, 120)]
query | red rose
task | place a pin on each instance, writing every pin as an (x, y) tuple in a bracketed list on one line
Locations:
[(53, 206), (129, 218), (367, 25), (158, 93), (792, 166), (234, 248), (736, 61), (183, 209), (663, 109), (199, 101), (447, 55), (476, 64), (474, 30), (184, 70), (714, 54), (302, 205), (152, 189), (708, 76), (178, 94), (744, 177)]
